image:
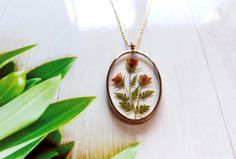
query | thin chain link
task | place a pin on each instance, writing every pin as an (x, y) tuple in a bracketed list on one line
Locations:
[(140, 34)]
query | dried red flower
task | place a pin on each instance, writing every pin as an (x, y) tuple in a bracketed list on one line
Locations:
[(118, 80), (132, 63), (144, 80)]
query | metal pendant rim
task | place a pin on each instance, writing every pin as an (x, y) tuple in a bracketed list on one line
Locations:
[(110, 102)]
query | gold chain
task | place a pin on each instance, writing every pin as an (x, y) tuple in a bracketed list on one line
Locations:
[(143, 25)]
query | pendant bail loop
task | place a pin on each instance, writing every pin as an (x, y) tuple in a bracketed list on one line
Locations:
[(132, 46)]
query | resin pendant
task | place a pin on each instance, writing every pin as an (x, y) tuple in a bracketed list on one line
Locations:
[(133, 87)]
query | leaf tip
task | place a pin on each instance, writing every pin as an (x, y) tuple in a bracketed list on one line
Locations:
[(92, 97), (71, 58), (135, 144), (31, 46)]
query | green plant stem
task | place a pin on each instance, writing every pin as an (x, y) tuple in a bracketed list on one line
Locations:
[(131, 100), (138, 100), (129, 83), (129, 93), (130, 96)]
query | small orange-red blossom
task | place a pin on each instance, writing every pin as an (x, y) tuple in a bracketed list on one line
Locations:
[(118, 80), (132, 63), (144, 80)]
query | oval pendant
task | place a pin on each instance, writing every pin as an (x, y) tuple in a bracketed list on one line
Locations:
[(133, 87)]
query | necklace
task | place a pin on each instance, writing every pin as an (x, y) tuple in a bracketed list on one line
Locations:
[(133, 81)]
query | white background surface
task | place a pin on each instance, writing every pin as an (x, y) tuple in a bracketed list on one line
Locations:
[(193, 43)]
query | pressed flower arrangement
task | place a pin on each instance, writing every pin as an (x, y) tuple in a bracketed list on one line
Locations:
[(29, 121), (131, 96)]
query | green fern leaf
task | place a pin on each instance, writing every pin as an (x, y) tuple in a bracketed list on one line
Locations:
[(133, 81), (146, 94), (122, 96), (126, 106), (135, 93), (143, 109)]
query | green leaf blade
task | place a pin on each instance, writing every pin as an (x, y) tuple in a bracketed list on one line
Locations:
[(11, 150), (47, 155), (11, 86), (27, 108), (10, 55), (64, 149), (128, 153), (22, 152), (61, 152), (56, 115), (54, 138), (32, 82), (52, 68), (7, 69)]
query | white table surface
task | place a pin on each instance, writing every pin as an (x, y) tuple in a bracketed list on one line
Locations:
[(193, 43)]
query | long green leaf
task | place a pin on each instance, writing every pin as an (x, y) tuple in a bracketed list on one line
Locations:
[(7, 69), (13, 149), (55, 116), (47, 155), (64, 149), (28, 107), (11, 86), (52, 68), (32, 82), (52, 141), (128, 153), (10, 55), (54, 138), (21, 153)]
